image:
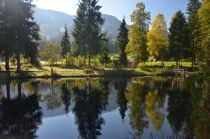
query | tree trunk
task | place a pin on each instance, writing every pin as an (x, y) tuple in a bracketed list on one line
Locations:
[(89, 60), (51, 70), (177, 64), (193, 63), (180, 62), (162, 64), (7, 68), (85, 60), (18, 63), (85, 54), (66, 60)]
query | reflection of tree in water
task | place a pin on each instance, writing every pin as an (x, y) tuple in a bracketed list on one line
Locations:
[(103, 86), (31, 87), (20, 117), (65, 96), (199, 119), (154, 109), (179, 107), (1, 92), (88, 106), (207, 90), (135, 95), (187, 111), (53, 99), (120, 86)]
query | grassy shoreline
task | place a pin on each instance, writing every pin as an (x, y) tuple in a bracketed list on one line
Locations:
[(87, 73), (147, 69), (77, 73)]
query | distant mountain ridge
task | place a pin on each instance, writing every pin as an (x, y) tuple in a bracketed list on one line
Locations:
[(52, 26), (51, 23)]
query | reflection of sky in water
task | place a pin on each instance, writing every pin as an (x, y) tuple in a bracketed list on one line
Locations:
[(63, 127), (59, 127)]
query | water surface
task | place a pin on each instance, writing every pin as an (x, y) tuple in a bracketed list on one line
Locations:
[(146, 108)]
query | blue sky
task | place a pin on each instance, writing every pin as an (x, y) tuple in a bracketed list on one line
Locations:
[(119, 8)]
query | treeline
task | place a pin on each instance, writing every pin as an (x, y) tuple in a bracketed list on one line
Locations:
[(187, 38)]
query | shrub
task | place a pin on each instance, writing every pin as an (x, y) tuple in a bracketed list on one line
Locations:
[(79, 61), (115, 62)]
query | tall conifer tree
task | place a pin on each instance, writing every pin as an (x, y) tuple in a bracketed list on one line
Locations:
[(104, 52), (79, 31), (193, 25), (6, 32), (122, 41), (65, 43), (87, 28), (178, 37), (26, 32)]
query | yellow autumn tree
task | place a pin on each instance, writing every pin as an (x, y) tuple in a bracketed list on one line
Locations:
[(157, 37), (135, 95), (154, 109)]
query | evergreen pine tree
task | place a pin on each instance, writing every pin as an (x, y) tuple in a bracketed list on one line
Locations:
[(6, 32), (26, 32), (178, 37), (65, 43), (193, 25), (87, 28), (122, 41), (104, 54), (79, 31)]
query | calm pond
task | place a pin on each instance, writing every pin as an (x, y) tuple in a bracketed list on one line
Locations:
[(146, 108)]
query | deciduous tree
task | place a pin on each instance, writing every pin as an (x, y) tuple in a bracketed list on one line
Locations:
[(52, 53), (137, 47), (157, 37), (204, 34)]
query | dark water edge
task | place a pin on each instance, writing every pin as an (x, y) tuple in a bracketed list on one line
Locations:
[(105, 108)]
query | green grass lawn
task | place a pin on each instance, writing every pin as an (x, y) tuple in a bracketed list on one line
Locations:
[(166, 64), (148, 68)]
